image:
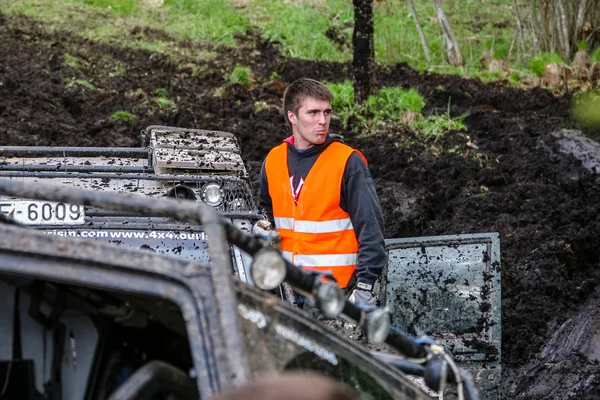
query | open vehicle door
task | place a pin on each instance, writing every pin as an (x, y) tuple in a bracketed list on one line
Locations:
[(448, 287)]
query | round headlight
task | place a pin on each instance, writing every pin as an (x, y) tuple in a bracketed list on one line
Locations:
[(376, 325), (330, 299), (212, 194), (268, 269)]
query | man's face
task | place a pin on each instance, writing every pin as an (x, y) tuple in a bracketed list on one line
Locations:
[(311, 124)]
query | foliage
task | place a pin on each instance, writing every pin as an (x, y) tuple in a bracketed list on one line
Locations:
[(120, 7), (595, 56), (123, 116), (259, 106), (559, 26), (241, 75), (433, 127), (514, 78), (73, 61), (389, 106), (391, 102), (300, 28), (316, 29), (343, 102), (211, 21), (499, 46), (488, 76), (538, 63), (118, 71), (585, 108), (81, 83), (164, 102), (161, 92)]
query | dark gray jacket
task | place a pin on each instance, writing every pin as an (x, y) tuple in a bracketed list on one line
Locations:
[(358, 198)]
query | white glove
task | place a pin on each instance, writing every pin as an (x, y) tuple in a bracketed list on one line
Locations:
[(362, 297), (264, 230)]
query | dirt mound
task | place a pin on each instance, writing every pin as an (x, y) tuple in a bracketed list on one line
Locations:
[(506, 176)]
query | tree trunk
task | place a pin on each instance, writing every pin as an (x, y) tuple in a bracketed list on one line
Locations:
[(560, 25), (519, 28), (413, 11), (535, 29), (452, 50), (564, 30), (578, 34), (364, 50)]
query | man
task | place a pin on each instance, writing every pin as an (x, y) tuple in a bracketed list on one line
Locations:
[(320, 195)]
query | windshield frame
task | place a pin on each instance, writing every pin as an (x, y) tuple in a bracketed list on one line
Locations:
[(33, 254)]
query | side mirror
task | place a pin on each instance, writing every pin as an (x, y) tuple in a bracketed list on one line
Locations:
[(156, 377)]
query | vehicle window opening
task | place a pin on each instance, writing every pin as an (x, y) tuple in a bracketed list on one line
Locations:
[(63, 342)]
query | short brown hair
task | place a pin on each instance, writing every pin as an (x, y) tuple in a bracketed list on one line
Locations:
[(300, 89)]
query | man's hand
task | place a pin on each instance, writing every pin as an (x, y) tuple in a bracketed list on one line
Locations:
[(362, 297), (264, 230)]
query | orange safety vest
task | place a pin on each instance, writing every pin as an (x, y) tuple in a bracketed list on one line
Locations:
[(316, 233)]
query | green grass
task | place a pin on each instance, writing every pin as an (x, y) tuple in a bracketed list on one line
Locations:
[(164, 102), (162, 92), (120, 7), (433, 127), (80, 83), (390, 102), (213, 22), (259, 106), (585, 108), (73, 61), (299, 27), (123, 116), (539, 62), (595, 56), (343, 103), (241, 75), (389, 107)]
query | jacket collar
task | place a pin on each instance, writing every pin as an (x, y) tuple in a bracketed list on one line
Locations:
[(316, 148)]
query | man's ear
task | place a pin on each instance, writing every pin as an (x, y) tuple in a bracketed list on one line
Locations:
[(292, 117)]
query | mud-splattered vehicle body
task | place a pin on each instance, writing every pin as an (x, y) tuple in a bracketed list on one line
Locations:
[(447, 287), (174, 163)]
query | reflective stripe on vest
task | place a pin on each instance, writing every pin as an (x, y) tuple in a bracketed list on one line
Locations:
[(314, 226), (316, 233), (322, 260)]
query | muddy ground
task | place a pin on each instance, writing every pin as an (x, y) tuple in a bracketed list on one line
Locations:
[(507, 176)]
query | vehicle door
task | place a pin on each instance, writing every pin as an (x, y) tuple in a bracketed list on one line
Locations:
[(448, 287)]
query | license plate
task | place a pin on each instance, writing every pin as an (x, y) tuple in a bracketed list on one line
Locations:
[(43, 212)]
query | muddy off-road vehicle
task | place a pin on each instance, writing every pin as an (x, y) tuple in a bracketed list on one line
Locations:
[(85, 317)]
